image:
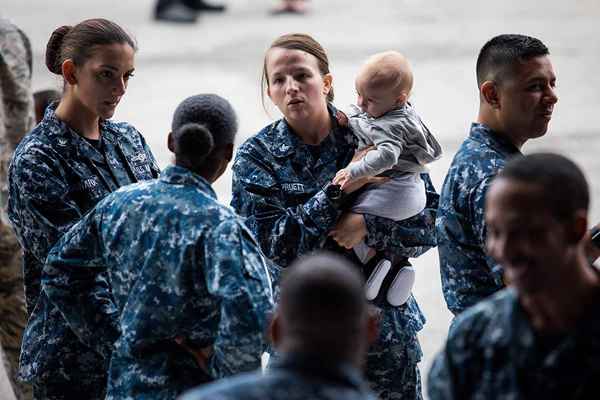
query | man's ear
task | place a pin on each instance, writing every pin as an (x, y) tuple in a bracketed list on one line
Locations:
[(578, 227), (327, 83), (228, 152), (489, 92), (274, 329), (171, 142), (68, 71)]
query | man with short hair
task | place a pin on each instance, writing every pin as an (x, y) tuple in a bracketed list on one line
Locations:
[(322, 329), (539, 338), (516, 89)]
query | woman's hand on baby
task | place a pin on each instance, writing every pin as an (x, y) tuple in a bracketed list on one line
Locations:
[(350, 230)]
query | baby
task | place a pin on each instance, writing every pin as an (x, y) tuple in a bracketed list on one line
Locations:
[(403, 145)]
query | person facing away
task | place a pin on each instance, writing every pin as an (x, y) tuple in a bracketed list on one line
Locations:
[(540, 337), (16, 119), (403, 146), (516, 99), (282, 185), (321, 329), (71, 160), (189, 291)]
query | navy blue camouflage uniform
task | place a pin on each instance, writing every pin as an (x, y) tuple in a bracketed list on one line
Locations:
[(468, 274), (493, 352), (278, 184), (180, 265), (294, 377), (55, 177)]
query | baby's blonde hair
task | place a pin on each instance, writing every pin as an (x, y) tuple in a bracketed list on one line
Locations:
[(388, 69)]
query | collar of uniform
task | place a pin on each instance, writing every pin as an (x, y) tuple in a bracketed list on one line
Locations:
[(284, 142), (65, 139), (319, 367), (483, 134), (176, 175)]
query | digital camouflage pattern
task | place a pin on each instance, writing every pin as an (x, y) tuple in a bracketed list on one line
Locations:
[(278, 185), (55, 177), (156, 261), (493, 353), (16, 119), (292, 378), (468, 274)]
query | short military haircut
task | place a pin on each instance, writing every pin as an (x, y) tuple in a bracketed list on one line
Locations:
[(323, 305), (501, 53), (564, 187)]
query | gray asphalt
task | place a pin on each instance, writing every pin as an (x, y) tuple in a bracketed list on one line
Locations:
[(223, 54)]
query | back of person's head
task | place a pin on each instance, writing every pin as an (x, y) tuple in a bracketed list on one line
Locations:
[(305, 43), (203, 124), (79, 42), (563, 187), (500, 54), (42, 99), (322, 309)]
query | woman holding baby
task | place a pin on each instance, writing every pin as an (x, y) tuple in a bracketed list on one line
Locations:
[(282, 183)]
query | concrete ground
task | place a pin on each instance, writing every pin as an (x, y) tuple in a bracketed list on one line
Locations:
[(223, 54)]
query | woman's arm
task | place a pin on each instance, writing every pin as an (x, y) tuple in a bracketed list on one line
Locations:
[(39, 206), (236, 275), (75, 281), (283, 232), (407, 238)]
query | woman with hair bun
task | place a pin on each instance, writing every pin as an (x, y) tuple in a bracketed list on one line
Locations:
[(70, 161), (190, 289)]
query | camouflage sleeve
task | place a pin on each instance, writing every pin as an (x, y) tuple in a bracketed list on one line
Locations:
[(407, 238), (454, 372), (283, 232), (15, 79), (75, 281), (237, 276), (41, 195), (476, 210)]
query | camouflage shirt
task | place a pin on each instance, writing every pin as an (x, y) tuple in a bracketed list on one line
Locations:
[(493, 352), (16, 99), (468, 274), (55, 177), (278, 184), (294, 377), (179, 265)]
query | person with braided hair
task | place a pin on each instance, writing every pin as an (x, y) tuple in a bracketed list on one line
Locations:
[(191, 291)]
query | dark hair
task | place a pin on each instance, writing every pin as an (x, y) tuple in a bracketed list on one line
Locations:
[(504, 51), (77, 42), (42, 99), (211, 111), (564, 187), (297, 41), (192, 144), (323, 304)]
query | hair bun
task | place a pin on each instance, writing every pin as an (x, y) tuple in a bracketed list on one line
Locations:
[(53, 49), (193, 142)]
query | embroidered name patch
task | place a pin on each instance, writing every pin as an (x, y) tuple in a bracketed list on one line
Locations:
[(293, 187)]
